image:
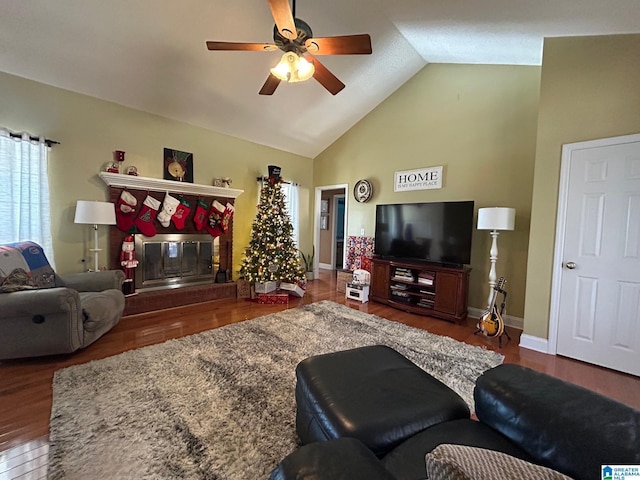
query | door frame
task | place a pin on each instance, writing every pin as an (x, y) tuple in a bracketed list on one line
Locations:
[(561, 222), (334, 242), (316, 220)]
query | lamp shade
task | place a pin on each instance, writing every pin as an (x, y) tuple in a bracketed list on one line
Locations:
[(95, 213), (496, 218)]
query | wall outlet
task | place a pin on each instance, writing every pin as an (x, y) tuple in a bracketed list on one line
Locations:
[(362, 232)]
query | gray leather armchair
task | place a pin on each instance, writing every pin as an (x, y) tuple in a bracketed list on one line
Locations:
[(75, 313)]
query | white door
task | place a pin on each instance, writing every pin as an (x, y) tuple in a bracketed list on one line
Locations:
[(599, 257)]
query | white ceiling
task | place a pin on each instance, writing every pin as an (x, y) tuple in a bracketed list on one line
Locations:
[(151, 54)]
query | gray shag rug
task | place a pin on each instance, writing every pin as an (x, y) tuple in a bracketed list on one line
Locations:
[(220, 404)]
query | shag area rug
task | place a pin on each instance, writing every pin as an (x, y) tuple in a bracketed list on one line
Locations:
[(220, 404)]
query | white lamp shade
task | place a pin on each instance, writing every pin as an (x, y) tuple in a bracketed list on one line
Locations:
[(496, 218), (95, 213)]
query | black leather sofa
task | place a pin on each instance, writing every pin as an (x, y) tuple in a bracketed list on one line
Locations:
[(520, 412)]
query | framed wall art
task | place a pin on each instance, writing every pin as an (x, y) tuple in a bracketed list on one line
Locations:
[(178, 165)]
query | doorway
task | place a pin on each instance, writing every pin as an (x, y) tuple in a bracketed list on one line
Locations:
[(595, 309), (330, 226)]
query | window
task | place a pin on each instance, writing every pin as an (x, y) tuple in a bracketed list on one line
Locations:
[(290, 194), (24, 191)]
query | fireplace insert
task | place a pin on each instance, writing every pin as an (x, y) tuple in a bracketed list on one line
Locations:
[(175, 260)]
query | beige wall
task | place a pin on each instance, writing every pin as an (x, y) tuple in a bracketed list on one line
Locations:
[(479, 122), (90, 130), (589, 89)]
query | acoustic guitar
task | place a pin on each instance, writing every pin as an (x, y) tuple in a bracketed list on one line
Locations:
[(491, 322)]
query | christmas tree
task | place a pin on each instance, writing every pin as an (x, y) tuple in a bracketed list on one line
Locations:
[(272, 255)]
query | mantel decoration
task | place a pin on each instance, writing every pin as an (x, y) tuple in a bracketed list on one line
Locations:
[(156, 185), (178, 165)]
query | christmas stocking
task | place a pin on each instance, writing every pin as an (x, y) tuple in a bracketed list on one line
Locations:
[(147, 215), (182, 212), (227, 216), (169, 206), (126, 211), (213, 224), (200, 216)]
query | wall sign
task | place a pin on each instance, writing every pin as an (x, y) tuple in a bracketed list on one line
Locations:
[(420, 179)]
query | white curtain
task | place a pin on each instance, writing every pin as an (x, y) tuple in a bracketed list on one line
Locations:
[(290, 191), (24, 192)]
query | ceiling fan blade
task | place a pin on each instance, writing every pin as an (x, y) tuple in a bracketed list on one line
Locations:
[(281, 11), (253, 47), (342, 45), (270, 85), (327, 79)]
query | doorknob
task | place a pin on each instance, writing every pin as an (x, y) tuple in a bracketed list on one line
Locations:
[(570, 265)]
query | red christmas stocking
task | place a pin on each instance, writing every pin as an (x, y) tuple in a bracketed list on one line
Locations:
[(147, 215), (213, 224), (227, 216), (200, 216), (182, 212), (125, 211)]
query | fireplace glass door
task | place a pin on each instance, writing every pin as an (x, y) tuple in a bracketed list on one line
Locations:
[(171, 260)]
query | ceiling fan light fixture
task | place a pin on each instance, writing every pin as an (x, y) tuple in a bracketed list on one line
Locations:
[(293, 68)]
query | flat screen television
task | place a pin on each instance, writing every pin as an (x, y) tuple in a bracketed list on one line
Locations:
[(438, 232)]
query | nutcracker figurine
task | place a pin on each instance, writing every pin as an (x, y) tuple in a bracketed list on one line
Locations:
[(128, 262)]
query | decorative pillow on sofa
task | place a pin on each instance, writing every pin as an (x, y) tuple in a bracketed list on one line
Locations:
[(460, 462)]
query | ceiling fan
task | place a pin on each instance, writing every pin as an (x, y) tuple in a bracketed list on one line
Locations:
[(294, 37)]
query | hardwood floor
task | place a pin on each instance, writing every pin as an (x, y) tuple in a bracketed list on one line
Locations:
[(25, 385)]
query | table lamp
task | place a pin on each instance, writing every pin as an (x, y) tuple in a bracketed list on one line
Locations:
[(95, 213)]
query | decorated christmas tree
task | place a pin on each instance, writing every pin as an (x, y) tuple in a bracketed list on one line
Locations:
[(272, 254)]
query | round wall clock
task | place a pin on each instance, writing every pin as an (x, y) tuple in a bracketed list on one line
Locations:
[(362, 191)]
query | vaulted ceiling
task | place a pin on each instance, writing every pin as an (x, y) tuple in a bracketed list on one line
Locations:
[(151, 55)]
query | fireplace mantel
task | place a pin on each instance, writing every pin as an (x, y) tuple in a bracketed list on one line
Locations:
[(155, 185)]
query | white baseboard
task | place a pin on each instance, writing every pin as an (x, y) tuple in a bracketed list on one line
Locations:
[(509, 320), (534, 343), (325, 266)]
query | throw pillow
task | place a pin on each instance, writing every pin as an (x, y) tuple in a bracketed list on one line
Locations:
[(461, 462)]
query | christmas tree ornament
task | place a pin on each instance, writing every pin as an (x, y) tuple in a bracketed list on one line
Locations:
[(147, 215), (125, 211), (169, 206)]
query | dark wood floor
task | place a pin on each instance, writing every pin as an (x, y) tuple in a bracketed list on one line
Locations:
[(25, 385)]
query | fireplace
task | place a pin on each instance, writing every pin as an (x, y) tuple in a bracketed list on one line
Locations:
[(175, 260), (184, 266)]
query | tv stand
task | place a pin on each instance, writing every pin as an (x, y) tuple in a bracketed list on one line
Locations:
[(426, 289)]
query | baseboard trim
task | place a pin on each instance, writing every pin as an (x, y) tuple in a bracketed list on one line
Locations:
[(509, 320), (534, 343), (325, 266)]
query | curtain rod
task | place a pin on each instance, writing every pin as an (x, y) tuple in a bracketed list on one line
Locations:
[(35, 139)]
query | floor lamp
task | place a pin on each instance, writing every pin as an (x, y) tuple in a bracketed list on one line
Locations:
[(495, 219), (95, 213)]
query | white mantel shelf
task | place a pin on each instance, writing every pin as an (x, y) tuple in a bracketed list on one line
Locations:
[(155, 185)]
